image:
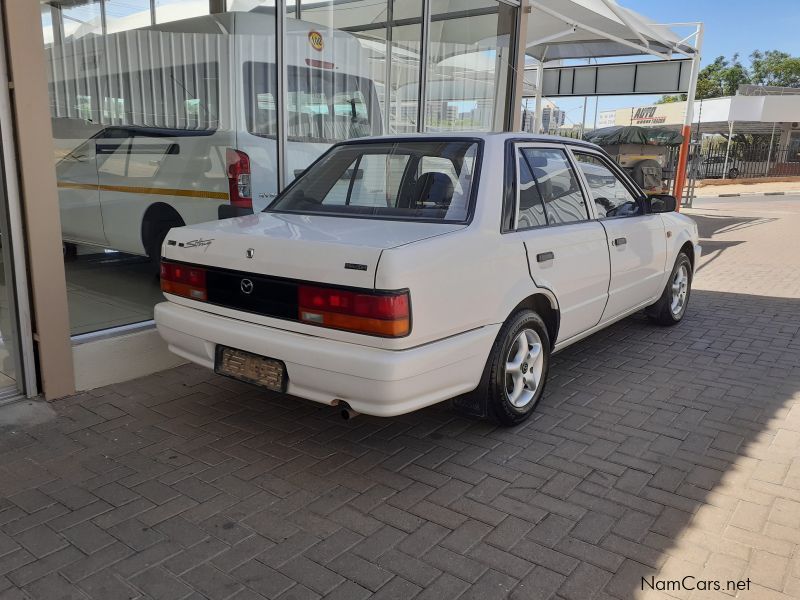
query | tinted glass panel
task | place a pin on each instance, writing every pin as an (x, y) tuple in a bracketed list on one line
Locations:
[(557, 184), (407, 180), (610, 195)]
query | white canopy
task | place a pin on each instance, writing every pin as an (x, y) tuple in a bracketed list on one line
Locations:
[(561, 29)]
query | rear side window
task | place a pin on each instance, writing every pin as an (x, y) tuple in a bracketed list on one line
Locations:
[(531, 206), (556, 185), (429, 180)]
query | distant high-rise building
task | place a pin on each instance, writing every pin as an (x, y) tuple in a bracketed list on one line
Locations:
[(553, 118)]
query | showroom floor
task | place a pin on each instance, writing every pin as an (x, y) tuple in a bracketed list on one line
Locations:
[(108, 290), (656, 454)]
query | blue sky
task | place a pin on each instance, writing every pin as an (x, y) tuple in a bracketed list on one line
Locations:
[(730, 26)]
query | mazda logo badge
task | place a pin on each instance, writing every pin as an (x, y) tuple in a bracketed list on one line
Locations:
[(246, 286)]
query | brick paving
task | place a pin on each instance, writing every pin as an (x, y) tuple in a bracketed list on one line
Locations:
[(656, 452)]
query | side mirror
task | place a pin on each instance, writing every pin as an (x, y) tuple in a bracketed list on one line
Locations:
[(662, 203)]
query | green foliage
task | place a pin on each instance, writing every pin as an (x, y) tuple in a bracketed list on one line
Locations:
[(671, 99), (773, 67)]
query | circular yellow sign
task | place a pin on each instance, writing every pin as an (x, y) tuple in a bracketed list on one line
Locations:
[(316, 41)]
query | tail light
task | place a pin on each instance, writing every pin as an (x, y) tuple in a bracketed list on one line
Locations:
[(184, 280), (239, 178), (386, 314)]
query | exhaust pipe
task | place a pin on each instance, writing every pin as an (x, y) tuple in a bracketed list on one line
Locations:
[(348, 413)]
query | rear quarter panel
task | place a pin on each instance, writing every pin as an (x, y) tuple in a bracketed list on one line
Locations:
[(457, 282)]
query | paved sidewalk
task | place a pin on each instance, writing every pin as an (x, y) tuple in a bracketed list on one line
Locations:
[(747, 189), (660, 453)]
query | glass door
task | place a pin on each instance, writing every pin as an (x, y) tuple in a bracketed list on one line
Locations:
[(17, 366)]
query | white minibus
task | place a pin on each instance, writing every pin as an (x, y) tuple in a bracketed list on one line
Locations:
[(177, 123)]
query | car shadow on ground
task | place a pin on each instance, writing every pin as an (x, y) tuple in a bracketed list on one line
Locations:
[(630, 467), (709, 225)]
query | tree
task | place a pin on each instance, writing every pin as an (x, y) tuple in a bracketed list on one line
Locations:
[(671, 99), (774, 67), (721, 77)]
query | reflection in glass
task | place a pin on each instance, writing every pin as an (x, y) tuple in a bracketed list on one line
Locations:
[(151, 133), (336, 74), (175, 10), (82, 20), (123, 15), (468, 65)]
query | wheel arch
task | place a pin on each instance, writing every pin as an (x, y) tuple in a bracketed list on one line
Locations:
[(688, 250), (156, 215), (547, 308)]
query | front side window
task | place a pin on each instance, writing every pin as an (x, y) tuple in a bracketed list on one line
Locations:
[(556, 184), (430, 180), (611, 197)]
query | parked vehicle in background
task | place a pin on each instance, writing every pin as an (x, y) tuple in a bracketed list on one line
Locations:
[(714, 167), (177, 123), (398, 272), (646, 153)]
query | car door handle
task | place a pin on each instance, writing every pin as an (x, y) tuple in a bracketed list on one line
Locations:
[(545, 256), (621, 241)]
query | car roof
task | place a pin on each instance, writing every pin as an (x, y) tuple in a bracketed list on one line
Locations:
[(516, 136)]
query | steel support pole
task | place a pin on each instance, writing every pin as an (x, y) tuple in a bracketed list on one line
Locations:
[(727, 150), (769, 153), (537, 119), (518, 64), (423, 65), (686, 131), (281, 137)]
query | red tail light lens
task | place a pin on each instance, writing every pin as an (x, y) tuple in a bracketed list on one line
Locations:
[(184, 280), (239, 178), (385, 314)]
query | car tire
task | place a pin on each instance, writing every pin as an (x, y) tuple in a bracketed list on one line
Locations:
[(733, 173), (70, 251), (514, 393), (671, 306), (158, 233)]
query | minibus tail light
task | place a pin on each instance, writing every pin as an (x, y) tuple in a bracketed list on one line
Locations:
[(385, 314), (320, 64), (239, 178), (184, 280)]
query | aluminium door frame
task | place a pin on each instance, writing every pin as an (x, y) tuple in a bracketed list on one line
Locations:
[(19, 297)]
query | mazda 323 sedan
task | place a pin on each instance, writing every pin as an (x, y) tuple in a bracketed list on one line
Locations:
[(395, 273)]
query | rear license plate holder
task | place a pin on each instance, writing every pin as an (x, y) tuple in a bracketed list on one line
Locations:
[(251, 368)]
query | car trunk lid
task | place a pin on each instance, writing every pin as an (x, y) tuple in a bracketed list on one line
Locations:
[(321, 249)]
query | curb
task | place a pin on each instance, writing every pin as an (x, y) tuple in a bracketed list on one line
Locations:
[(791, 192)]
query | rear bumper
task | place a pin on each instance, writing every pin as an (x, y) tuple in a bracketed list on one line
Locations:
[(371, 380)]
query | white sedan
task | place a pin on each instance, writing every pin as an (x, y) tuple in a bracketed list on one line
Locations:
[(397, 272)]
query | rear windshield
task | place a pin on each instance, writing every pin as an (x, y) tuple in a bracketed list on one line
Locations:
[(422, 180)]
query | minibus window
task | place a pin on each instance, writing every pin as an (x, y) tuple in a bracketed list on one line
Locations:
[(322, 106)]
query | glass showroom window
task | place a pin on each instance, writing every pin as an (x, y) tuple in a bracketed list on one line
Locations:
[(178, 10), (123, 15), (469, 56), (336, 76), (151, 132)]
